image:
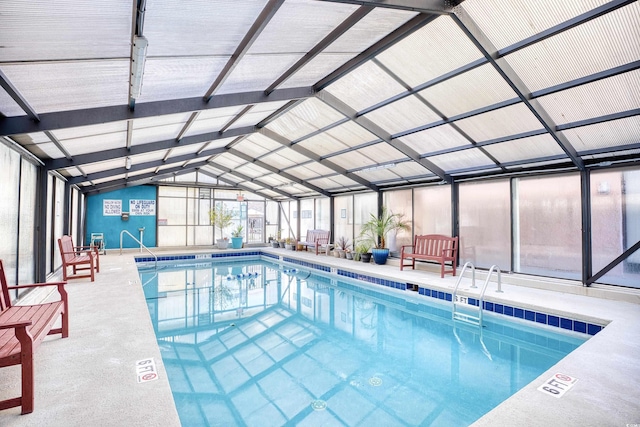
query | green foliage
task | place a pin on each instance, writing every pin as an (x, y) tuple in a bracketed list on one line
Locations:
[(363, 247), (221, 217), (376, 229), (237, 232)]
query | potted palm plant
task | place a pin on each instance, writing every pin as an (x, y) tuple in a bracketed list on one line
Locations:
[(221, 218), (376, 229), (236, 237)]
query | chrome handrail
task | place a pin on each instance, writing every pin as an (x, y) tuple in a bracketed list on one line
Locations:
[(139, 242)]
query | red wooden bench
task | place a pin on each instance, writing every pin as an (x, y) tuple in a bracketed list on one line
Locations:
[(79, 258), (432, 247), (317, 239), (22, 329)]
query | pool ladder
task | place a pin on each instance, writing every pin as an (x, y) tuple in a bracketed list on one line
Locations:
[(123, 232), (462, 301)]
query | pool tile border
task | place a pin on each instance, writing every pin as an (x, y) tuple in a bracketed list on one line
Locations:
[(521, 313), (502, 309)]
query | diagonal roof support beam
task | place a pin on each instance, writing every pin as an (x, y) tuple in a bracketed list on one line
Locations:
[(116, 153), (400, 33), (252, 35), (139, 179), (100, 115), (142, 166), (17, 97), (298, 149), (438, 7), (249, 179), (352, 20), (278, 171), (240, 186), (490, 52), (567, 25), (367, 124)]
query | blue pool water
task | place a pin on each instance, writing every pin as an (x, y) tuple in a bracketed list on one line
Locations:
[(255, 343)]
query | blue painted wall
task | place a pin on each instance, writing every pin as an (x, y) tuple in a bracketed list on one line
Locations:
[(111, 226)]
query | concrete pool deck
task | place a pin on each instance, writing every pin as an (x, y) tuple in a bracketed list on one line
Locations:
[(90, 377)]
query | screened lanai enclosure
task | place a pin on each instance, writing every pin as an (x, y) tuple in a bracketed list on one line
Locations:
[(512, 124)]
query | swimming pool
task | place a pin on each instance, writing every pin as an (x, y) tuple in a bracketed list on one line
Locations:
[(254, 342)]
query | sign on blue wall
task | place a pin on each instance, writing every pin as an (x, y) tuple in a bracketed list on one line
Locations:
[(127, 209)]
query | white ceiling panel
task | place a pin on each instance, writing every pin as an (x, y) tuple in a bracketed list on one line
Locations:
[(604, 135), (408, 113), (379, 175), (351, 134), (316, 69), (382, 153), (322, 145), (94, 130), (412, 170), (67, 29), (174, 78), (508, 22), (163, 120), (256, 115), (180, 150), (304, 172), (336, 182), (464, 159), (91, 143), (257, 145), (352, 160), (606, 42), (525, 148), (505, 121), (277, 160), (198, 27), (156, 133), (71, 85), (428, 53), (366, 86), (304, 119), (8, 107), (299, 25), (377, 24), (251, 170), (435, 139), (600, 98), (207, 126), (469, 91), (257, 72)]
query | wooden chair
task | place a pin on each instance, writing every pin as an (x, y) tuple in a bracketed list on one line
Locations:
[(22, 329), (79, 258)]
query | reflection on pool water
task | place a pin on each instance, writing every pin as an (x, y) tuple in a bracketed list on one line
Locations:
[(256, 343)]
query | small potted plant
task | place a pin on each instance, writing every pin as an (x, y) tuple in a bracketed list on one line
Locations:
[(221, 218), (376, 229), (342, 245), (290, 243), (237, 236), (361, 248)]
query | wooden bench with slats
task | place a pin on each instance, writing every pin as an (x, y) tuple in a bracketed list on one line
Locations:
[(22, 329), (317, 239), (431, 247)]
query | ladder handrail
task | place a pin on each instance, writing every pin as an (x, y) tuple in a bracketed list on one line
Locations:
[(470, 318), (473, 277), (139, 242)]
